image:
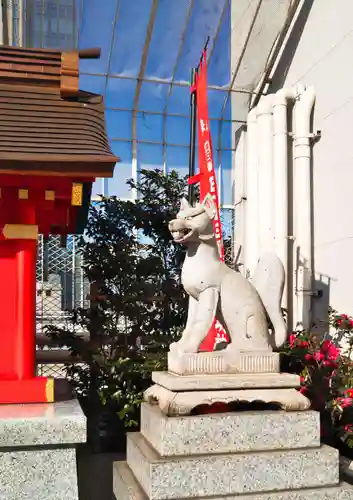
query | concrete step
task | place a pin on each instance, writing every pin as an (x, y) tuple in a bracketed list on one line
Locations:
[(229, 474), (126, 487), (229, 432)]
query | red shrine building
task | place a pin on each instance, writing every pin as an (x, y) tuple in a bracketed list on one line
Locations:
[(53, 145)]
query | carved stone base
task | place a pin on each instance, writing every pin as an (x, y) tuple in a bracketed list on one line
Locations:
[(223, 362), (180, 394), (182, 403)]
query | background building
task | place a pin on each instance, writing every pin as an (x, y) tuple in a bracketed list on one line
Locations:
[(49, 24), (40, 23)]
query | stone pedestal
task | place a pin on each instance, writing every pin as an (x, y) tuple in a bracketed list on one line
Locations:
[(38, 450), (245, 455)]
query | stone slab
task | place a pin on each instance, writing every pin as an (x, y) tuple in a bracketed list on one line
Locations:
[(203, 382), (126, 487), (42, 424), (183, 403), (223, 362), (38, 450), (229, 432), (230, 474), (40, 474)]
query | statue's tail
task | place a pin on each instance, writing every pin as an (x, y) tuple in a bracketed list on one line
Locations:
[(268, 279)]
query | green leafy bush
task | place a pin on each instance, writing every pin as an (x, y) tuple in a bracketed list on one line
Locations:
[(137, 304)]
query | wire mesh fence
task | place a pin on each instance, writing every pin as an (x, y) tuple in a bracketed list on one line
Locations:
[(61, 287)]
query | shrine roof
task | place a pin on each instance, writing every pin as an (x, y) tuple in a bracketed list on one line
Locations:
[(46, 123)]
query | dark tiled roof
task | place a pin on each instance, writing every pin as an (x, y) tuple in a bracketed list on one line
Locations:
[(46, 123)]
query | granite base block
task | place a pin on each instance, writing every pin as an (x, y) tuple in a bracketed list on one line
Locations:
[(217, 475), (39, 474), (38, 450), (126, 487), (229, 432), (42, 424)]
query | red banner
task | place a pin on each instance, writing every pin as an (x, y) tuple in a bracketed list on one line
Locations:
[(208, 184)]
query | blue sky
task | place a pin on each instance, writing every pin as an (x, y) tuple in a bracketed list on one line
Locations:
[(126, 44)]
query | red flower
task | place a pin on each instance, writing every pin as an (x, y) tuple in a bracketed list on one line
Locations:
[(318, 356), (292, 339), (344, 402), (330, 350), (343, 321), (348, 427), (349, 393), (308, 357), (303, 390)]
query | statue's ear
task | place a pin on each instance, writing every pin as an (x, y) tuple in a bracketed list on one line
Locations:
[(184, 204), (209, 206)]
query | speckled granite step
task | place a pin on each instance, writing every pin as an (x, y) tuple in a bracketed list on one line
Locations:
[(229, 432), (229, 474), (126, 487)]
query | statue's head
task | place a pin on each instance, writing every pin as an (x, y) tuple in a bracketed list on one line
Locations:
[(194, 224)]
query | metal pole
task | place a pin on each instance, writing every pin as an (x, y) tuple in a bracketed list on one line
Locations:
[(191, 191), (5, 23)]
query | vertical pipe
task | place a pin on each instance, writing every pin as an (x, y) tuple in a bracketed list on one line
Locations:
[(264, 115), (20, 22), (302, 208), (239, 198), (251, 188), (280, 167), (192, 150)]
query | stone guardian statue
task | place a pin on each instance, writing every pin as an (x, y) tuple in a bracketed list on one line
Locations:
[(214, 289)]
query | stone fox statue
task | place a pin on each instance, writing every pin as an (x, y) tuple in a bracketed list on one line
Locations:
[(216, 290)]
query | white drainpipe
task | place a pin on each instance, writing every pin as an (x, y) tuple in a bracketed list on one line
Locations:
[(280, 177), (250, 251), (302, 207), (264, 114)]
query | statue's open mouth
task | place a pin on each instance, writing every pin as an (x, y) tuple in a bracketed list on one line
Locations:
[(182, 235)]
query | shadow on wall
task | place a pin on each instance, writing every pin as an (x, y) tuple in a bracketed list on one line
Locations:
[(289, 51), (321, 303)]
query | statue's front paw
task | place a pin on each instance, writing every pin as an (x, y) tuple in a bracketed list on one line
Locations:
[(174, 346), (177, 347)]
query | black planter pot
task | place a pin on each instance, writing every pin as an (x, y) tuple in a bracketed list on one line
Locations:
[(105, 433), (105, 430)]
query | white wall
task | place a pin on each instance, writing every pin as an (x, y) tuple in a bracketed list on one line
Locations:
[(322, 56)]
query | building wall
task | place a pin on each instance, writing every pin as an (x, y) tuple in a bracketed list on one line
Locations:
[(319, 53), (49, 23)]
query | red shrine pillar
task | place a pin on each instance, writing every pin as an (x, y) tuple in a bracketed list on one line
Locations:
[(18, 383)]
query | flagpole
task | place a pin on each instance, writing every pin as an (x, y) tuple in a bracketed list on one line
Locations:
[(192, 149)]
